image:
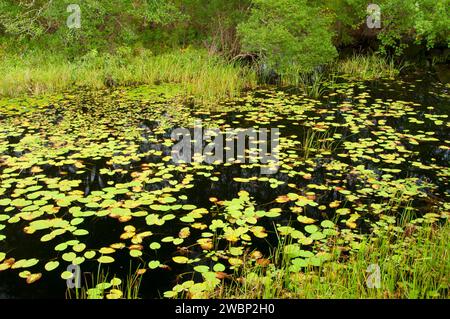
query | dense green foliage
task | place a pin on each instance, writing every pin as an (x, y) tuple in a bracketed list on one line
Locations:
[(282, 30), (196, 73), (290, 34), (403, 22), (104, 24)]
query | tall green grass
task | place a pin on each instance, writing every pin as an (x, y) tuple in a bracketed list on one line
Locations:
[(369, 67), (414, 265), (316, 140), (100, 285), (205, 77), (200, 75)]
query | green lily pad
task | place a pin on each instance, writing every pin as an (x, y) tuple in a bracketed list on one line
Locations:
[(105, 260), (311, 229), (180, 259), (155, 246), (219, 267), (154, 264), (201, 269), (67, 275), (51, 265)]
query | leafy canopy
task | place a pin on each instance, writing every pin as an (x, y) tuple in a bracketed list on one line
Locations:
[(290, 35)]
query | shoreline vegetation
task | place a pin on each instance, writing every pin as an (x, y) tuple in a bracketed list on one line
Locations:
[(195, 73), (414, 271)]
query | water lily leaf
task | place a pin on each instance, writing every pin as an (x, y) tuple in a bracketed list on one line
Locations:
[(153, 219), (95, 293), (274, 212), (80, 232), (114, 294), (180, 259), (76, 221), (117, 246), (5, 202), (155, 246), (24, 274), (67, 275), (154, 264), (105, 260), (219, 267), (103, 285), (297, 264), (116, 281), (235, 261), (135, 253), (317, 236), (330, 232), (170, 294), (51, 265), (33, 278), (178, 241), (167, 239), (305, 220), (305, 241), (327, 224), (201, 269), (61, 247), (343, 211), (79, 247), (205, 243), (184, 233), (89, 254), (311, 229), (78, 260), (30, 263), (258, 231), (106, 250), (168, 217), (236, 251)]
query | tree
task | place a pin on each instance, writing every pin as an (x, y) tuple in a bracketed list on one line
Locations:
[(290, 36), (103, 22)]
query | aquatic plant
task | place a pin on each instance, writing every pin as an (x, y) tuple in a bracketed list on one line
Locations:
[(414, 270), (87, 178), (99, 286), (316, 141), (369, 67), (206, 78)]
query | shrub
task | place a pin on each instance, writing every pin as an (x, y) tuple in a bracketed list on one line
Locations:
[(289, 35)]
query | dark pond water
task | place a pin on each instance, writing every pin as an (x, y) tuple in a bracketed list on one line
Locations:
[(90, 171)]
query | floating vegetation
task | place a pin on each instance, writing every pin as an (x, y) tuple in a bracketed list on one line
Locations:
[(87, 179)]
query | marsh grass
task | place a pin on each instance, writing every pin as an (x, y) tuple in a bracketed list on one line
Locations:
[(312, 85), (412, 265), (314, 140), (98, 286), (369, 67), (206, 78)]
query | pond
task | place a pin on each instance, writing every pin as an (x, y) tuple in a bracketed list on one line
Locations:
[(88, 178)]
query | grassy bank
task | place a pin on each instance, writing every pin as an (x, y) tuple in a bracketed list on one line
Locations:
[(206, 77), (368, 67), (201, 75), (414, 265)]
